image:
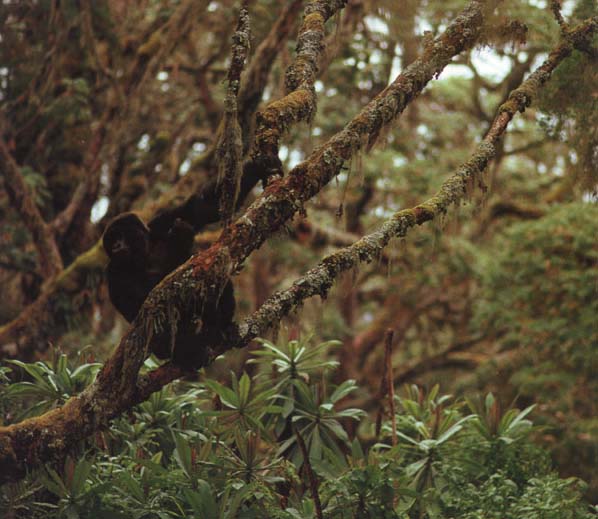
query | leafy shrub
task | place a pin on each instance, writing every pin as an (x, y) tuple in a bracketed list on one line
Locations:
[(186, 453), (539, 301)]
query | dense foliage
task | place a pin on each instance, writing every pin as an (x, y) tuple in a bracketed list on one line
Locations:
[(187, 453), (111, 105)]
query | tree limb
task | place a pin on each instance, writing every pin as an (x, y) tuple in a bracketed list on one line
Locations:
[(230, 145), (319, 279), (300, 102)]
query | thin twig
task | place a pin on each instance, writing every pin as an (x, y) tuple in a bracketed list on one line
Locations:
[(390, 388), (387, 388), (555, 7), (383, 384), (313, 482)]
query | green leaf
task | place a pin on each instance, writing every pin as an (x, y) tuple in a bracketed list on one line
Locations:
[(244, 387), (182, 453), (53, 482), (343, 390), (519, 420), (132, 486), (236, 502), (455, 428), (202, 500), (489, 402), (227, 395), (80, 475)]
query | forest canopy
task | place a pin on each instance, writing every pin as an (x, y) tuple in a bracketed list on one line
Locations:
[(397, 201)]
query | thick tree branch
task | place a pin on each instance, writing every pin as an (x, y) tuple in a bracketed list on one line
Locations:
[(43, 312), (285, 197), (32, 442), (319, 279), (300, 102), (257, 74)]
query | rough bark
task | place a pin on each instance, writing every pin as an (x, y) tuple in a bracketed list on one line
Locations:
[(118, 386), (458, 186), (230, 146)]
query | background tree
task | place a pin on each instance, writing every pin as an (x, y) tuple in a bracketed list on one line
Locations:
[(110, 106)]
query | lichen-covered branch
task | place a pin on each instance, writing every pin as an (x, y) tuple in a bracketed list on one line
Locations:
[(300, 102), (283, 198), (42, 311), (21, 198), (29, 330), (256, 75), (319, 279), (32, 442), (204, 275), (230, 147)]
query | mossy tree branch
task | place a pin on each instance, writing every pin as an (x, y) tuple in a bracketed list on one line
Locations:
[(319, 279), (39, 440), (33, 442), (230, 146), (300, 102), (256, 76), (27, 330)]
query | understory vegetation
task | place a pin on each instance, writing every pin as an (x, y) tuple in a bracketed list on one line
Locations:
[(263, 445), (386, 302)]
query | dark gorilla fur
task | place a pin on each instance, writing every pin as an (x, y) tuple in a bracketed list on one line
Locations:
[(140, 257)]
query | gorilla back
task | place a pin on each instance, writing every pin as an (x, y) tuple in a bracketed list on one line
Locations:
[(140, 257)]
